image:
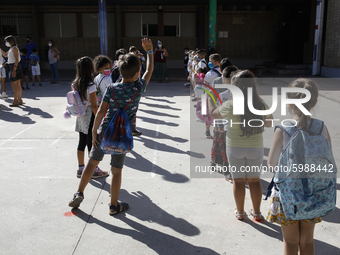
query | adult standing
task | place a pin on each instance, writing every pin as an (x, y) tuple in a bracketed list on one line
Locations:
[(161, 70), (13, 55), (53, 57), (30, 45)]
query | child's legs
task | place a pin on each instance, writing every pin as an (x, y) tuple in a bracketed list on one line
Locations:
[(3, 84), (26, 80), (306, 240), (291, 236), (39, 79), (81, 148), (33, 79), (117, 163)]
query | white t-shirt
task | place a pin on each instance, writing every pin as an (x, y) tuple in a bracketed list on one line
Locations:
[(198, 91), (1, 59), (202, 63), (11, 58), (103, 82), (90, 89), (212, 75)]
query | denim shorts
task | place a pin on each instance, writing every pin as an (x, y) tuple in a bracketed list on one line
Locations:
[(117, 160)]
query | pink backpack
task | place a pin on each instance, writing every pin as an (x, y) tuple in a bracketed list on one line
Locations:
[(75, 106)]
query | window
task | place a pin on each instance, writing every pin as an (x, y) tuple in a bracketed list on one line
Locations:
[(18, 24), (149, 23), (90, 24), (60, 24), (171, 24), (188, 25)]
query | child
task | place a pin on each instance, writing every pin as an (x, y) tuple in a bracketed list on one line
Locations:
[(34, 58), (200, 76), (185, 63), (214, 65), (201, 58), (24, 67), (103, 66), (244, 144), (3, 76), (129, 66), (83, 83), (297, 235), (115, 74)]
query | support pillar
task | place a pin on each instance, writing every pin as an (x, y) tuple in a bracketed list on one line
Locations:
[(35, 35), (212, 25), (103, 27), (118, 9), (318, 37)]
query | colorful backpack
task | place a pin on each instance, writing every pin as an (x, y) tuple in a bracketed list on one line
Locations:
[(118, 138), (306, 176), (75, 105)]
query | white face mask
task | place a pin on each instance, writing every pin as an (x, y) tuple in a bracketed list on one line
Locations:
[(50, 44), (7, 44), (160, 45)]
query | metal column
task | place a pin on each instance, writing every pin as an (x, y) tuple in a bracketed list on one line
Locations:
[(103, 27), (318, 37), (212, 25)]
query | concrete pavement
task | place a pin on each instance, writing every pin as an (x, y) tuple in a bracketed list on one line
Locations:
[(170, 213)]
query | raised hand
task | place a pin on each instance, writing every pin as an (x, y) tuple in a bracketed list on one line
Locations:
[(147, 44)]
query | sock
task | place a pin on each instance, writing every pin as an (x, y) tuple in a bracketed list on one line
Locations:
[(81, 168), (96, 170)]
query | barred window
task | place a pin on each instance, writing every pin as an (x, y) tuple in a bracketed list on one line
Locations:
[(16, 24)]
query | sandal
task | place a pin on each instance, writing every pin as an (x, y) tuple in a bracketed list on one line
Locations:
[(14, 104), (121, 207), (77, 199), (239, 215), (20, 102), (256, 217)]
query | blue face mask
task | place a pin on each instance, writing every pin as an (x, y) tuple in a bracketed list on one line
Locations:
[(198, 58), (211, 65)]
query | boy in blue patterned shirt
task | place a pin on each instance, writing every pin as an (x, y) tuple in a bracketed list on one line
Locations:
[(125, 91)]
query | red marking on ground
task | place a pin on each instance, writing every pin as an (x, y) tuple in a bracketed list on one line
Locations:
[(70, 214), (258, 221)]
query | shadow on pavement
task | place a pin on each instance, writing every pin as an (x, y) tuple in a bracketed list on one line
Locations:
[(160, 106), (159, 242), (160, 135), (158, 113), (333, 217), (36, 111), (7, 115), (145, 210), (157, 121)]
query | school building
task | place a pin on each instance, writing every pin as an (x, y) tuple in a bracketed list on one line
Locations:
[(249, 32)]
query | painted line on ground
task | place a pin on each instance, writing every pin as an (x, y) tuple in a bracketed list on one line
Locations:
[(17, 135), (58, 139), (155, 154)]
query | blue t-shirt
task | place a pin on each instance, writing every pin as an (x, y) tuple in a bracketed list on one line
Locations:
[(124, 93), (34, 59), (29, 47)]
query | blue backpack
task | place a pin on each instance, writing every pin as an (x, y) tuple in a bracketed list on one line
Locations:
[(306, 179), (118, 138)]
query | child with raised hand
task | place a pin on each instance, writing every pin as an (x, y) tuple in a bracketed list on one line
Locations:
[(130, 87), (297, 234), (83, 83), (103, 66)]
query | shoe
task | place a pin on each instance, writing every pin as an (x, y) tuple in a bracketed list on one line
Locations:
[(53, 82), (14, 104), (33, 84), (256, 217), (57, 82), (40, 84), (23, 88), (195, 105), (20, 102), (136, 133), (80, 171), (98, 173), (121, 207), (4, 95), (208, 135), (240, 216), (27, 88), (194, 99), (77, 199)]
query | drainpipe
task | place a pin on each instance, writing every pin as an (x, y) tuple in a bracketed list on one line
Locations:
[(212, 25), (103, 27), (320, 7)]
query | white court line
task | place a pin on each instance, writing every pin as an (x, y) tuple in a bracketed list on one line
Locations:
[(17, 135), (18, 148), (155, 153), (58, 139)]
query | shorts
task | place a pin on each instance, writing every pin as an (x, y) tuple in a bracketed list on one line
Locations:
[(36, 70), (117, 160), (18, 75), (2, 71), (25, 71), (245, 162)]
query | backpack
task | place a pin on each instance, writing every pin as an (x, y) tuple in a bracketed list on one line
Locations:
[(118, 137), (306, 182), (99, 92), (75, 106), (24, 62), (33, 60), (115, 74), (218, 73)]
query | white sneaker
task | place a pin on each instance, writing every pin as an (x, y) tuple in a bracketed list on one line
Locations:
[(4, 95)]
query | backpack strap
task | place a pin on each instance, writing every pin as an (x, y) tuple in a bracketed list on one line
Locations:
[(218, 73), (288, 130), (128, 103), (88, 101), (316, 127), (101, 81)]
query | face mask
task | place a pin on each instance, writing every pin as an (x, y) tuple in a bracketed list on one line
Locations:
[(7, 44), (198, 58), (159, 45), (50, 44), (211, 65), (186, 53), (28, 41), (107, 72)]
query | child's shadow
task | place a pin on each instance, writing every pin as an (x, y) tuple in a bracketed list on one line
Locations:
[(144, 209), (159, 242)]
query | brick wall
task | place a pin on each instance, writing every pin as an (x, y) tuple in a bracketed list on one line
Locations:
[(332, 45)]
